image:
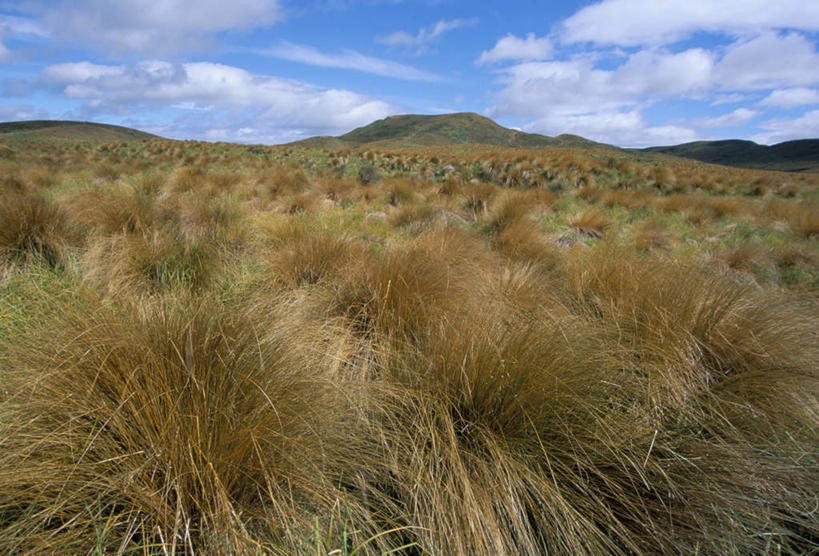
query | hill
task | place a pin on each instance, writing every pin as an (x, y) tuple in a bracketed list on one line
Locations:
[(70, 131), (791, 156), (412, 130)]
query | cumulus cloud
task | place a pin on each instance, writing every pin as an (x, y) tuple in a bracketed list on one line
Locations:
[(511, 47), (536, 89), (347, 59), (732, 119), (641, 22), (769, 60), (728, 98), (19, 28), (778, 130), (789, 98), (223, 97), (421, 41), (15, 112), (584, 85), (625, 129), (150, 26)]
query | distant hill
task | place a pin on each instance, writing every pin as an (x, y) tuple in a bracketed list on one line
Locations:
[(412, 130), (791, 156), (70, 131)]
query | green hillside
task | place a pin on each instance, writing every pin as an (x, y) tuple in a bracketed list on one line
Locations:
[(70, 131), (791, 156), (411, 130)]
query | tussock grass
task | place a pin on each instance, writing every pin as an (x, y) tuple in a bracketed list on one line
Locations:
[(254, 353), (803, 218), (107, 209), (591, 223), (303, 256), (397, 292), (31, 229), (148, 262), (176, 424), (652, 234)]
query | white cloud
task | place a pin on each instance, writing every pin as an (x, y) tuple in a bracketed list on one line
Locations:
[(778, 130), (732, 119), (788, 98), (219, 96), (20, 28), (573, 89), (728, 98), (511, 47), (15, 112), (625, 129), (151, 26), (538, 89), (656, 72), (767, 61), (421, 41), (347, 59), (640, 22)]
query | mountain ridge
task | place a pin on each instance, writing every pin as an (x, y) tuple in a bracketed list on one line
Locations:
[(421, 130), (72, 131), (800, 155)]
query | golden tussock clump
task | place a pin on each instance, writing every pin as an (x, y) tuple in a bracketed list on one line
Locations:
[(180, 424), (107, 209), (31, 229), (591, 223)]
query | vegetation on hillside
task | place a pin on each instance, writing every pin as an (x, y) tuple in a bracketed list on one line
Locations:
[(791, 156), (214, 348), (412, 131), (68, 131)]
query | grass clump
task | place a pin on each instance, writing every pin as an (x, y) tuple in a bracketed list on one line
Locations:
[(176, 424), (31, 229)]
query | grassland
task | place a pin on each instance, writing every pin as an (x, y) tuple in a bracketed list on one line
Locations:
[(791, 156), (65, 130), (214, 348)]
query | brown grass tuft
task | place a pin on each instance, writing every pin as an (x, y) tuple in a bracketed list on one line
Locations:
[(178, 425), (31, 229), (590, 223)]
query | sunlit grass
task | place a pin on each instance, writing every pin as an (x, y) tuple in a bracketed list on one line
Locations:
[(212, 348)]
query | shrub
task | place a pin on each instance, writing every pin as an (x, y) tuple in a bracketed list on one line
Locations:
[(368, 175)]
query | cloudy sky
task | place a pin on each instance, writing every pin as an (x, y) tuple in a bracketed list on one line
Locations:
[(626, 72)]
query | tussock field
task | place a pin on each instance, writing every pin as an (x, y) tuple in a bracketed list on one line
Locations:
[(212, 348)]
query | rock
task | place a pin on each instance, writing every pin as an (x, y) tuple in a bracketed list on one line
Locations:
[(377, 215)]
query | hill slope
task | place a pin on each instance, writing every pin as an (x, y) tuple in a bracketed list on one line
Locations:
[(792, 156), (71, 131), (413, 130)]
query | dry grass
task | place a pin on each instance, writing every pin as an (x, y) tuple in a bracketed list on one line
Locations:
[(31, 229), (107, 209), (179, 425), (803, 218), (149, 262), (591, 223), (652, 234), (307, 256), (411, 366)]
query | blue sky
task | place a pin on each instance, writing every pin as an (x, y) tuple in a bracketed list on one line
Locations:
[(626, 72)]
